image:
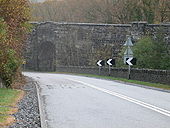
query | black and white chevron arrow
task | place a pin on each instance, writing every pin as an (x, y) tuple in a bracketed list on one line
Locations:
[(131, 61), (111, 62), (100, 63)]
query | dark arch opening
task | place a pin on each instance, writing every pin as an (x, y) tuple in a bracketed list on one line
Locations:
[(46, 60)]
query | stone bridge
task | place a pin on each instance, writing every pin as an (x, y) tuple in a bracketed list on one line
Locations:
[(54, 44)]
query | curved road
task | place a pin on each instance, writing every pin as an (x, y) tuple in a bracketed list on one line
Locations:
[(82, 102)]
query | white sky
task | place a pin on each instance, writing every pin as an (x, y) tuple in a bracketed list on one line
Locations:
[(37, 0), (40, 0)]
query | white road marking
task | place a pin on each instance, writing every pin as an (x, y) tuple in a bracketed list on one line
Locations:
[(138, 102)]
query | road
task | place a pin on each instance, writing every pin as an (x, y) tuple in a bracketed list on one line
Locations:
[(82, 102)]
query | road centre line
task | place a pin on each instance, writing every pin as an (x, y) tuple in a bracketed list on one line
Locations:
[(138, 102)]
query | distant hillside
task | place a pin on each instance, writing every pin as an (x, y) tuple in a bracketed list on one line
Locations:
[(102, 11)]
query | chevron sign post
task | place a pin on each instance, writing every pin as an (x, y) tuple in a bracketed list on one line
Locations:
[(110, 62), (100, 63)]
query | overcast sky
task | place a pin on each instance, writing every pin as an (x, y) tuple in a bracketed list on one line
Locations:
[(40, 0), (37, 0)]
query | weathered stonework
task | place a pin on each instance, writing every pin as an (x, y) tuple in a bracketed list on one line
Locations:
[(54, 44), (147, 75)]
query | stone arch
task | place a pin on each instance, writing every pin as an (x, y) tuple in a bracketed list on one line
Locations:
[(46, 59)]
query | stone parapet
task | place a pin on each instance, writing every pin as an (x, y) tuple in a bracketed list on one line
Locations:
[(147, 75)]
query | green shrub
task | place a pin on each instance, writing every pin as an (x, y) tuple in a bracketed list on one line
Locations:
[(152, 53), (9, 67)]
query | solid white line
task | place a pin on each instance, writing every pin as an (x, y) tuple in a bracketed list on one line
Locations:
[(141, 103)]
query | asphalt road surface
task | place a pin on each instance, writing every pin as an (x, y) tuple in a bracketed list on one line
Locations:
[(83, 102)]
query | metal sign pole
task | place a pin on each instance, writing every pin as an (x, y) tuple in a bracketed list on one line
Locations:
[(128, 55), (99, 69), (109, 70), (100, 63), (24, 67), (129, 72), (128, 66)]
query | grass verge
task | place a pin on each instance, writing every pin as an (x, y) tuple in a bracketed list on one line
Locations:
[(7, 110), (6, 120), (9, 97), (157, 85), (8, 101)]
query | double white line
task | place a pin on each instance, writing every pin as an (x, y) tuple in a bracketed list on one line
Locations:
[(141, 103)]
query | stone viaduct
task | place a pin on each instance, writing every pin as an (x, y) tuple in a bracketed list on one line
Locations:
[(54, 44)]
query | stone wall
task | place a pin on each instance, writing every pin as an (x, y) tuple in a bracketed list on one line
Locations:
[(53, 44), (74, 43), (147, 75)]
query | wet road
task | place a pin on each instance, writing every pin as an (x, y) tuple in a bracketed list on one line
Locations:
[(82, 102)]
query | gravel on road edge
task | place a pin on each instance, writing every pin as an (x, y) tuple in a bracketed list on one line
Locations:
[(28, 115)]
